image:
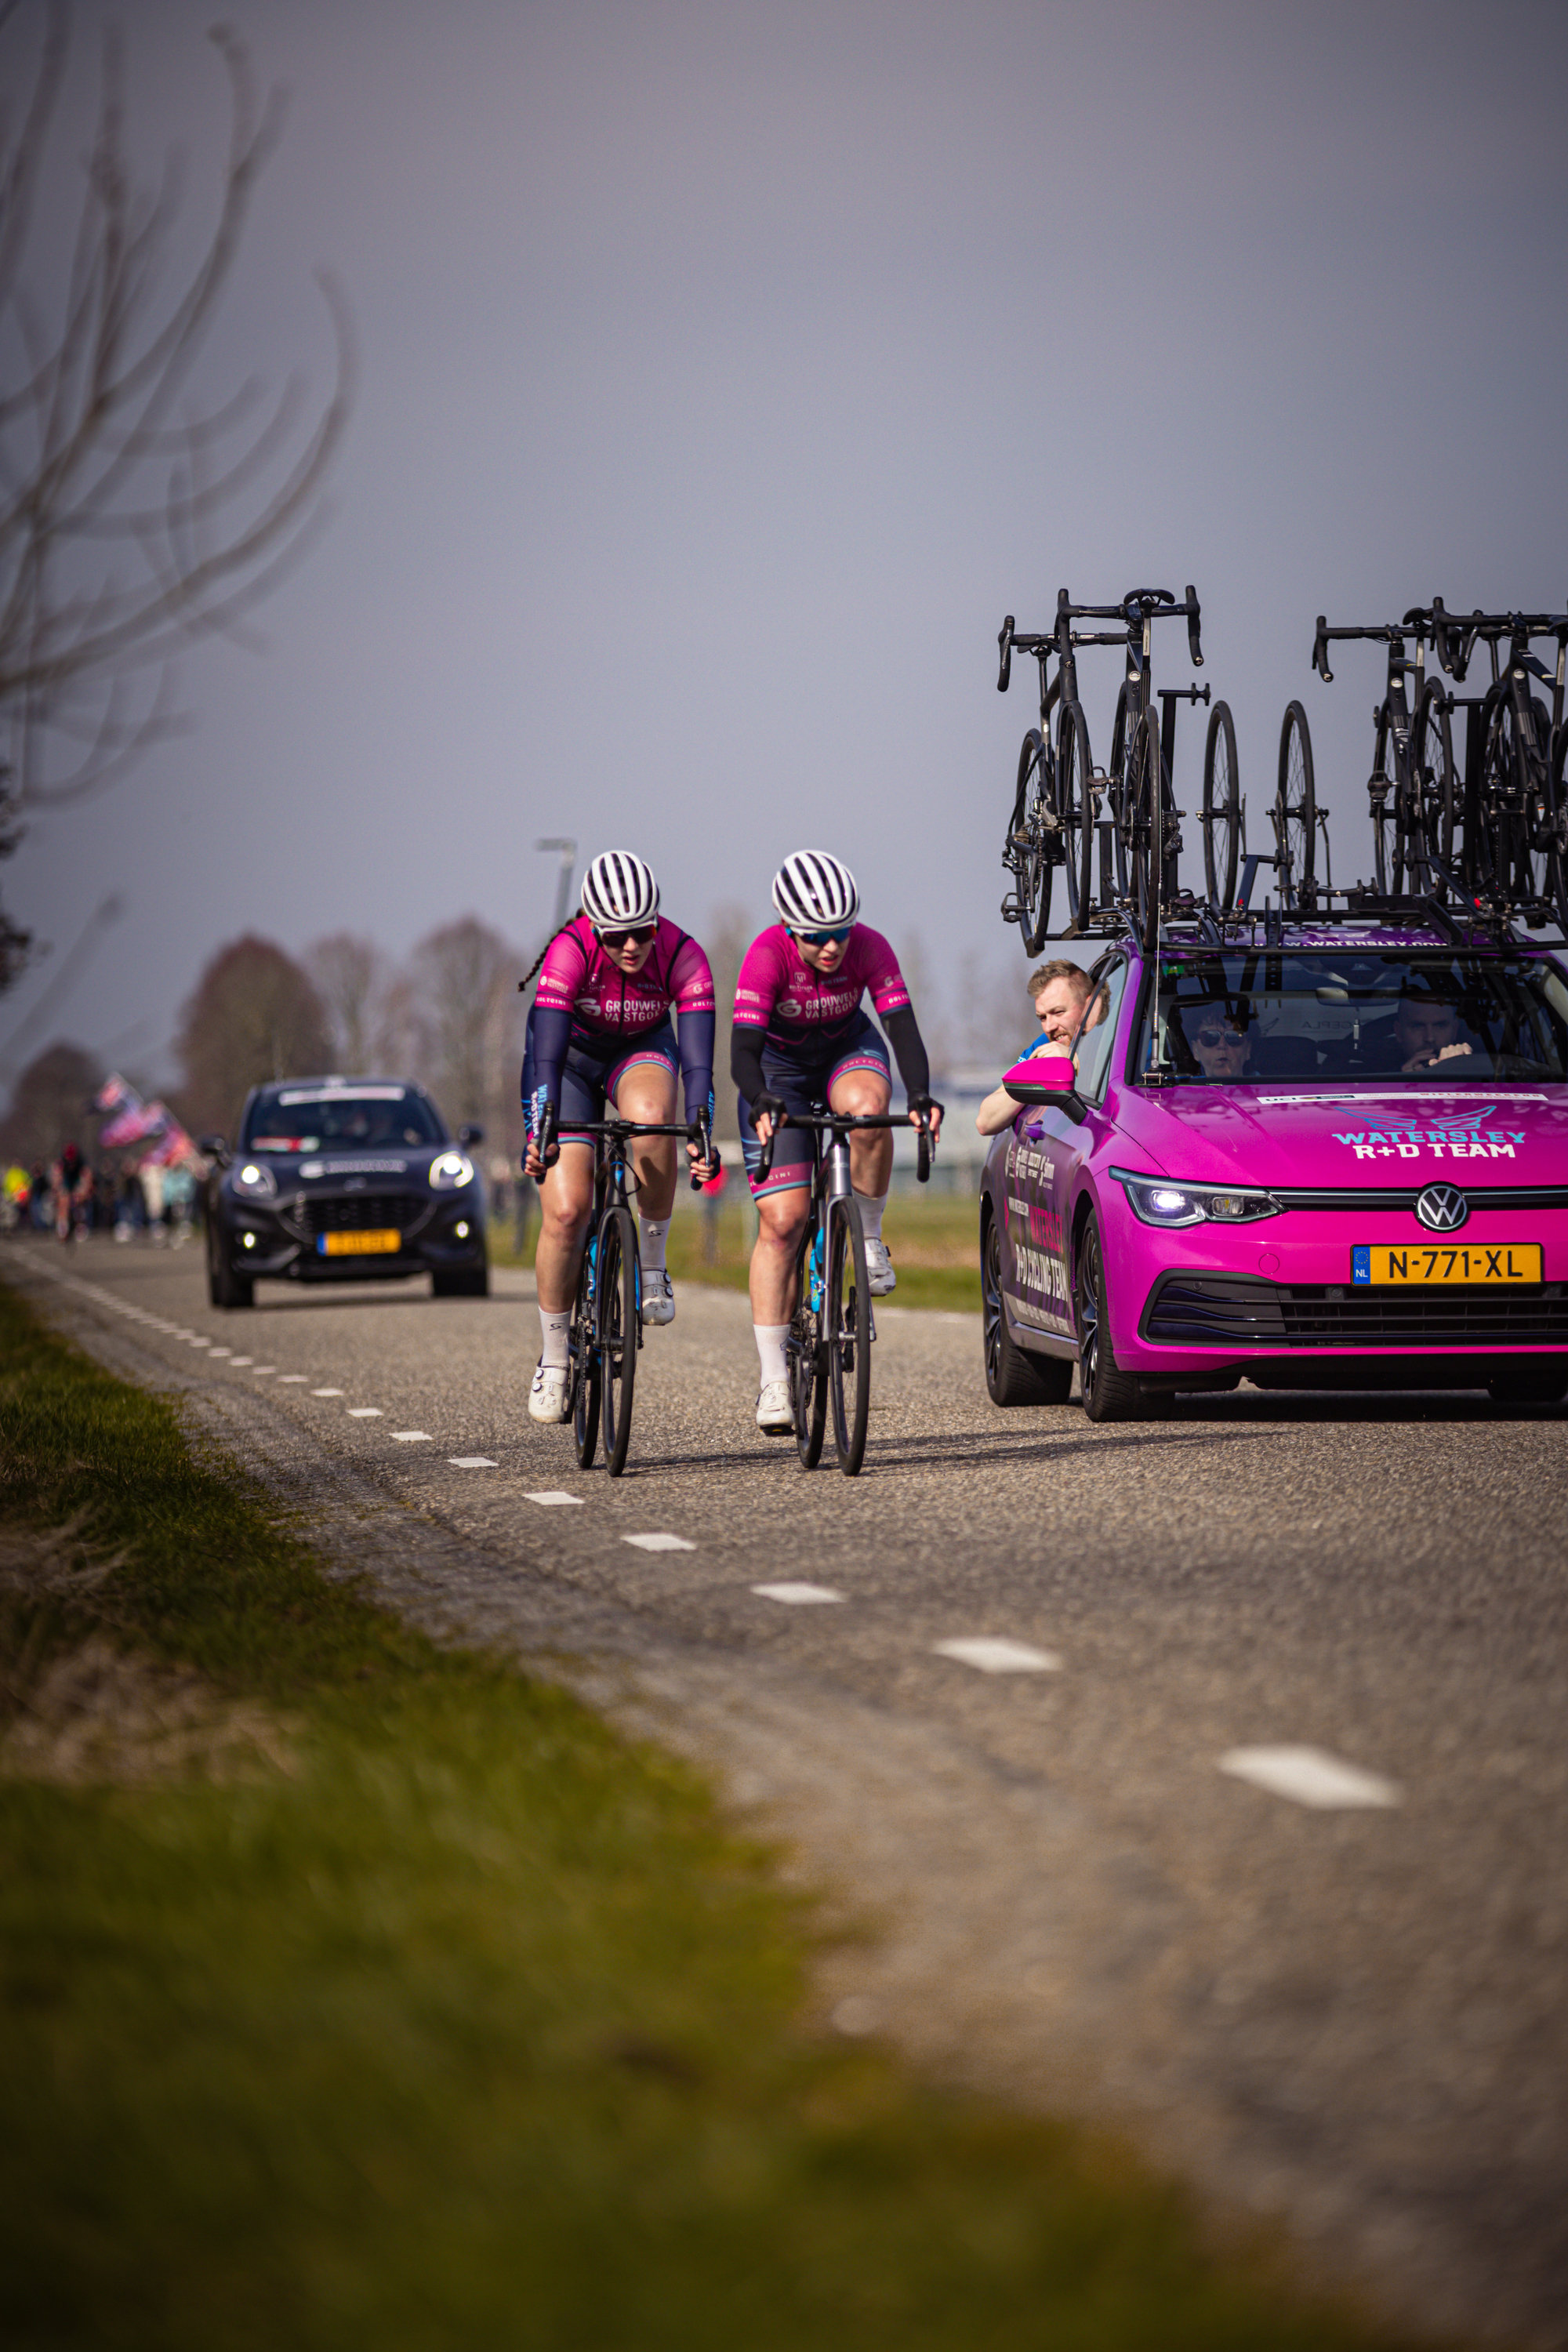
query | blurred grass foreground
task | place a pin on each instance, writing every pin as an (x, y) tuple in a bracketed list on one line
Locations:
[(358, 1992)]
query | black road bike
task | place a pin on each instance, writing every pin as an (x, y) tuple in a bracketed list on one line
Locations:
[(1059, 795), (1514, 846), (1411, 791), (606, 1328), (829, 1349)]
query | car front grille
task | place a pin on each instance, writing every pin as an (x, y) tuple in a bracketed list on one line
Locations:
[(313, 1214), (1209, 1310)]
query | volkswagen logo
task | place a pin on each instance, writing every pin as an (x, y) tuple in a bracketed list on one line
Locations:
[(1442, 1208)]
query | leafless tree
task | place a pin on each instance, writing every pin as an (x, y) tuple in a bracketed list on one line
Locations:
[(464, 983), (135, 514), (364, 1002), (252, 1016)]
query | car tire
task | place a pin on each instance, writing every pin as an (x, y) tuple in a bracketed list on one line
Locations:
[(224, 1287), (1530, 1384), (1108, 1394), (472, 1283), (1013, 1374)]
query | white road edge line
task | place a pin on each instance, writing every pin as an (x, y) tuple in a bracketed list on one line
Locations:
[(660, 1543), (991, 1655), (1310, 1776), (798, 1596)]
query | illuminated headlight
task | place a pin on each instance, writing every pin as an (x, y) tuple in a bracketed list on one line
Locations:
[(461, 1229), (1157, 1203), (254, 1182), (248, 1240), (451, 1171)]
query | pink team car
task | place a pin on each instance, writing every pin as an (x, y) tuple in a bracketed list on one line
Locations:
[(1316, 1155)]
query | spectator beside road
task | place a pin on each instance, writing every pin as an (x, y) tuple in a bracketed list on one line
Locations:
[(15, 1194)]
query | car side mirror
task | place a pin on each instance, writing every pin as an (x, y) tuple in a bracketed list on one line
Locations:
[(470, 1135), (1047, 1079), (212, 1147)]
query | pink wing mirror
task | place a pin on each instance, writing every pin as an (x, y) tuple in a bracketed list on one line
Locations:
[(1043, 1080)]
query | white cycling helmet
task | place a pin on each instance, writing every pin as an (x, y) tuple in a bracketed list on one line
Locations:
[(619, 892), (813, 892)]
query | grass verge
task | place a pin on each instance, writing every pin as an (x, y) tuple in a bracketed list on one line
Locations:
[(934, 1238), (428, 2013)]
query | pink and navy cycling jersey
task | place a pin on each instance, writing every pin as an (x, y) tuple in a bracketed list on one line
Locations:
[(605, 1002), (805, 1011)]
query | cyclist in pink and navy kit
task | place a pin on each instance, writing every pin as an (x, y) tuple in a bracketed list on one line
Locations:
[(600, 1031), (800, 1038)]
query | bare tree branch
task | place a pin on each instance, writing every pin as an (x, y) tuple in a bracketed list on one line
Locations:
[(128, 530)]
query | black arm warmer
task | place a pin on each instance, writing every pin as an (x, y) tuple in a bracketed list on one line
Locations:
[(904, 1036), (696, 1038), (551, 1033), (746, 1060)]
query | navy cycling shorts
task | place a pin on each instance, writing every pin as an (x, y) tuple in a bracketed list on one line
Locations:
[(801, 1082), (591, 1073)]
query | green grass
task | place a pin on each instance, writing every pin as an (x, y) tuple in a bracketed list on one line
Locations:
[(474, 2025), (934, 1238)]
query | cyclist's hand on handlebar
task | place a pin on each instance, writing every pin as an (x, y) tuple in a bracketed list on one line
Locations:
[(926, 1111), (544, 1149), (702, 1160), (767, 1115)]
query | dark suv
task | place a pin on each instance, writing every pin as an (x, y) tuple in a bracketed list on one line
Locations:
[(344, 1179)]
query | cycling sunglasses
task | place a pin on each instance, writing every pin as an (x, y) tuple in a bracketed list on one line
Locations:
[(824, 938), (1210, 1038), (641, 934)]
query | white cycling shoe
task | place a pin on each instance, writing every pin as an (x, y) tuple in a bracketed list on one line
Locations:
[(658, 1297), (879, 1276), (776, 1415), (547, 1398)]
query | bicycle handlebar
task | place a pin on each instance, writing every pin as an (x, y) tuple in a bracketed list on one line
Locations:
[(831, 1119)]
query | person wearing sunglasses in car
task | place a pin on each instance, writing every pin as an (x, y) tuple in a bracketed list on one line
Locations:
[(599, 1032), (1221, 1046), (800, 1038)]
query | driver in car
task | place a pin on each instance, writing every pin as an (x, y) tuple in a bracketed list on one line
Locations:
[(1221, 1046), (1423, 1032)]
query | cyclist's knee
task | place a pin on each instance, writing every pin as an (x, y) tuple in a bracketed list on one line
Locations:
[(862, 1094), (781, 1216)]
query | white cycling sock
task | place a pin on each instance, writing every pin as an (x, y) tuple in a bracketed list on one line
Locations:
[(652, 1235), (554, 1328), (871, 1207), (769, 1339)]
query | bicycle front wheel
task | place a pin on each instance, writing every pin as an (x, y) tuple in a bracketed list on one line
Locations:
[(619, 1329), (1296, 808), (1222, 807), (1075, 811), (807, 1370), (583, 1358), (1380, 796), (1557, 852), (847, 1314), (1433, 750), (1031, 841)]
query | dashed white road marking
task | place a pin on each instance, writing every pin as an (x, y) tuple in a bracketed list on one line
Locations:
[(237, 1363), (1310, 1776), (326, 1391), (994, 1656), (223, 1352), (409, 1436), (264, 1371), (365, 1412), (196, 1342), (284, 1379), (798, 1596), (472, 1461), (552, 1496), (660, 1543)]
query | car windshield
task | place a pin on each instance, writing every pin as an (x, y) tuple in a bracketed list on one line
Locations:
[(313, 1119), (1252, 1018)]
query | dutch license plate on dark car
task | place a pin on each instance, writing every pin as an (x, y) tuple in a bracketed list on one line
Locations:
[(371, 1243)]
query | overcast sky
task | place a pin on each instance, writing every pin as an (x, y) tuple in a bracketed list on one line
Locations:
[(728, 372)]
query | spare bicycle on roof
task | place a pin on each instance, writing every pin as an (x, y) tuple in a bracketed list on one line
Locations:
[(1063, 806)]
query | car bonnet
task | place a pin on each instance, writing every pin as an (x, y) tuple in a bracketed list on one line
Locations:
[(1355, 1134)]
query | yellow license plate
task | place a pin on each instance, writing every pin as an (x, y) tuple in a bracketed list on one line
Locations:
[(373, 1244), (1500, 1262)]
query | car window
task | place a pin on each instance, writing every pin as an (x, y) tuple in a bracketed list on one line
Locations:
[(1093, 1054), (301, 1119)]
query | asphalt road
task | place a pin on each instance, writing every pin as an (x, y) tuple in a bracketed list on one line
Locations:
[(1352, 2016)]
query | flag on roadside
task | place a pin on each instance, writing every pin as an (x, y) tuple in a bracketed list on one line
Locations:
[(115, 1094), (135, 1124)]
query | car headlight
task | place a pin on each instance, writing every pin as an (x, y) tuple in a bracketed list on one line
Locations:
[(254, 1180), (451, 1171), (1154, 1201)]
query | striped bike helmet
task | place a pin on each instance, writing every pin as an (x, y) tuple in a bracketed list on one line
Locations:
[(814, 892), (619, 892)]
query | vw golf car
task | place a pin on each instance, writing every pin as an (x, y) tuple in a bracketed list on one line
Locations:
[(1311, 1154), (344, 1179)]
